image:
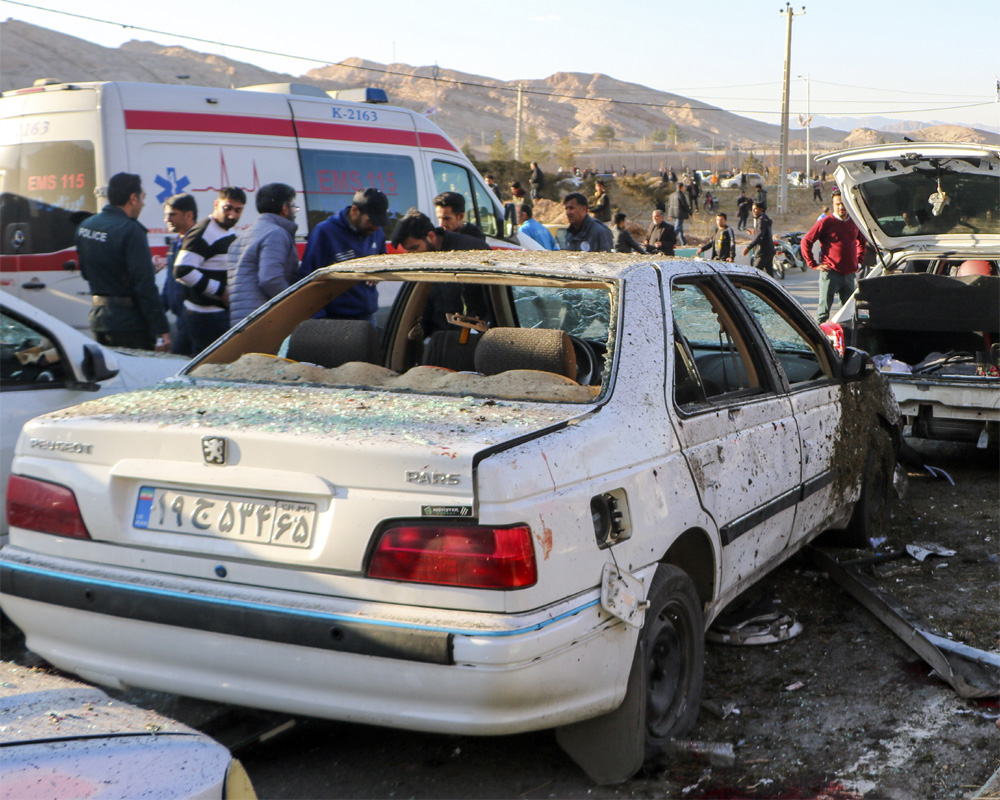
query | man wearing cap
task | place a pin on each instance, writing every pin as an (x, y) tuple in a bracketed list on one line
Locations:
[(842, 248), (353, 233)]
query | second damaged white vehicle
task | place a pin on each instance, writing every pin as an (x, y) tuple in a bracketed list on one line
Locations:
[(929, 311), (519, 508)]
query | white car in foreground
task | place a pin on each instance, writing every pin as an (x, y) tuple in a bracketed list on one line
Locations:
[(524, 519), (929, 311), (45, 365)]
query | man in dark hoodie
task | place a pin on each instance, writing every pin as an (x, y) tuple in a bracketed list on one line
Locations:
[(353, 233)]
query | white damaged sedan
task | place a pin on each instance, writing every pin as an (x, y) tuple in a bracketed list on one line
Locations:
[(517, 508)]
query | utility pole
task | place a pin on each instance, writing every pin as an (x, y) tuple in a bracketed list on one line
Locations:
[(517, 124), (435, 89), (783, 160), (807, 122)]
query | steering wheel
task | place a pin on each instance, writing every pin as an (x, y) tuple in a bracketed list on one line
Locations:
[(586, 361)]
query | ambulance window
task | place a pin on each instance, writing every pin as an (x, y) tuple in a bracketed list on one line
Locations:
[(333, 176), (490, 222), (478, 208), (47, 191)]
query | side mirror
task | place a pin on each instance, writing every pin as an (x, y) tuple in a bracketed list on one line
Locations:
[(857, 364), (98, 364)]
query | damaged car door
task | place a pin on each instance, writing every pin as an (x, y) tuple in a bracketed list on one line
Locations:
[(736, 427)]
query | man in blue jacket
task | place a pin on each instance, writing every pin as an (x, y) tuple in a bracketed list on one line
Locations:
[(353, 233)]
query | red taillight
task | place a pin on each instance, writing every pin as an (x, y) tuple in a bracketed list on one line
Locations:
[(475, 556), (835, 333), (43, 506)]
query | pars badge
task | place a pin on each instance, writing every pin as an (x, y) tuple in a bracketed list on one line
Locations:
[(214, 449)]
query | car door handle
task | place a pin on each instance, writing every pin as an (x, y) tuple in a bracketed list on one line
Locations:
[(33, 284), (734, 414)]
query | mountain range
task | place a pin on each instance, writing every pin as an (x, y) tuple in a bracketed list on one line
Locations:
[(470, 108)]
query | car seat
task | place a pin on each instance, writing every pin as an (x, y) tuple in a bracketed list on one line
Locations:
[(544, 349), (333, 342)]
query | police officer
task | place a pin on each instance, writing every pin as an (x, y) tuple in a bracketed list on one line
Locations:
[(115, 260)]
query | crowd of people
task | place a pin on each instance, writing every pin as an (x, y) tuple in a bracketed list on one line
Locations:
[(216, 276)]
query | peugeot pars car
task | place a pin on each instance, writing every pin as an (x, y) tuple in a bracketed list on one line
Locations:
[(519, 508), (929, 311)]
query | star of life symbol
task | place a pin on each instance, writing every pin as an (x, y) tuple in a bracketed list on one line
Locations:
[(214, 449), (171, 184)]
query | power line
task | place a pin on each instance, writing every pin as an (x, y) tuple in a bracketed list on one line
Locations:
[(498, 86)]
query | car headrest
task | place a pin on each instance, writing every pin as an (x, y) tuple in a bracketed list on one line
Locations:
[(333, 342), (503, 349)]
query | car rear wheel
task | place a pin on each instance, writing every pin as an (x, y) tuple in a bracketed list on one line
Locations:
[(673, 646)]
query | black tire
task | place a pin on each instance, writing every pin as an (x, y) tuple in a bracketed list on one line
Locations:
[(672, 642), (872, 512)]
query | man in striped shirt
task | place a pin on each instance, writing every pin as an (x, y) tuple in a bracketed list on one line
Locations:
[(202, 267)]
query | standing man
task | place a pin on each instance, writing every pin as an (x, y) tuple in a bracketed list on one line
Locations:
[(353, 233), (491, 182), (743, 204), (536, 181), (180, 213), (763, 256), (600, 207), (817, 185), (678, 210), (585, 233), (263, 261), (533, 228), (116, 262), (723, 243), (661, 236), (202, 267), (624, 241), (842, 248), (450, 210)]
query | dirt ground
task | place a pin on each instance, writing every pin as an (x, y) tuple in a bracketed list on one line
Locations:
[(843, 711)]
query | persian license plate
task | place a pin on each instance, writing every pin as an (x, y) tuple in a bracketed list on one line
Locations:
[(248, 519)]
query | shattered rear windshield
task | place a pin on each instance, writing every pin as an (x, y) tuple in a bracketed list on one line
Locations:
[(510, 338), (934, 200)]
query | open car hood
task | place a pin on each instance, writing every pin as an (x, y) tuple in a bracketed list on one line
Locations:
[(926, 199)]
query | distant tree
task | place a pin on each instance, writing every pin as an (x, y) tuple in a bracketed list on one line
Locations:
[(565, 155), (605, 133), (532, 148), (752, 164), (659, 136), (499, 150), (673, 134), (467, 148)]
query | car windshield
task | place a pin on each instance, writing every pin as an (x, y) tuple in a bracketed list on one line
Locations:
[(508, 337), (933, 201)]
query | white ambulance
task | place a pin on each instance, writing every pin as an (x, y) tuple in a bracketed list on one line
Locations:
[(59, 144)]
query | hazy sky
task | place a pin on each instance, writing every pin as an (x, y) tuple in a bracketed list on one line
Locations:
[(862, 57)]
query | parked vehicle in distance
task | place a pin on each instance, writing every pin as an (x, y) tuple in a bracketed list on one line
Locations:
[(738, 182), (520, 515), (929, 310), (46, 365), (788, 254), (60, 143), (61, 738), (797, 178)]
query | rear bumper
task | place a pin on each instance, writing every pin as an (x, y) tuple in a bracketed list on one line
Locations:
[(423, 669), (950, 410)]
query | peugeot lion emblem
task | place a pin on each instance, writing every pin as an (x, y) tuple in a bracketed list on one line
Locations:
[(214, 449)]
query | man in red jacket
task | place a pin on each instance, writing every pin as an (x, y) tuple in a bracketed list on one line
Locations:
[(841, 249)]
